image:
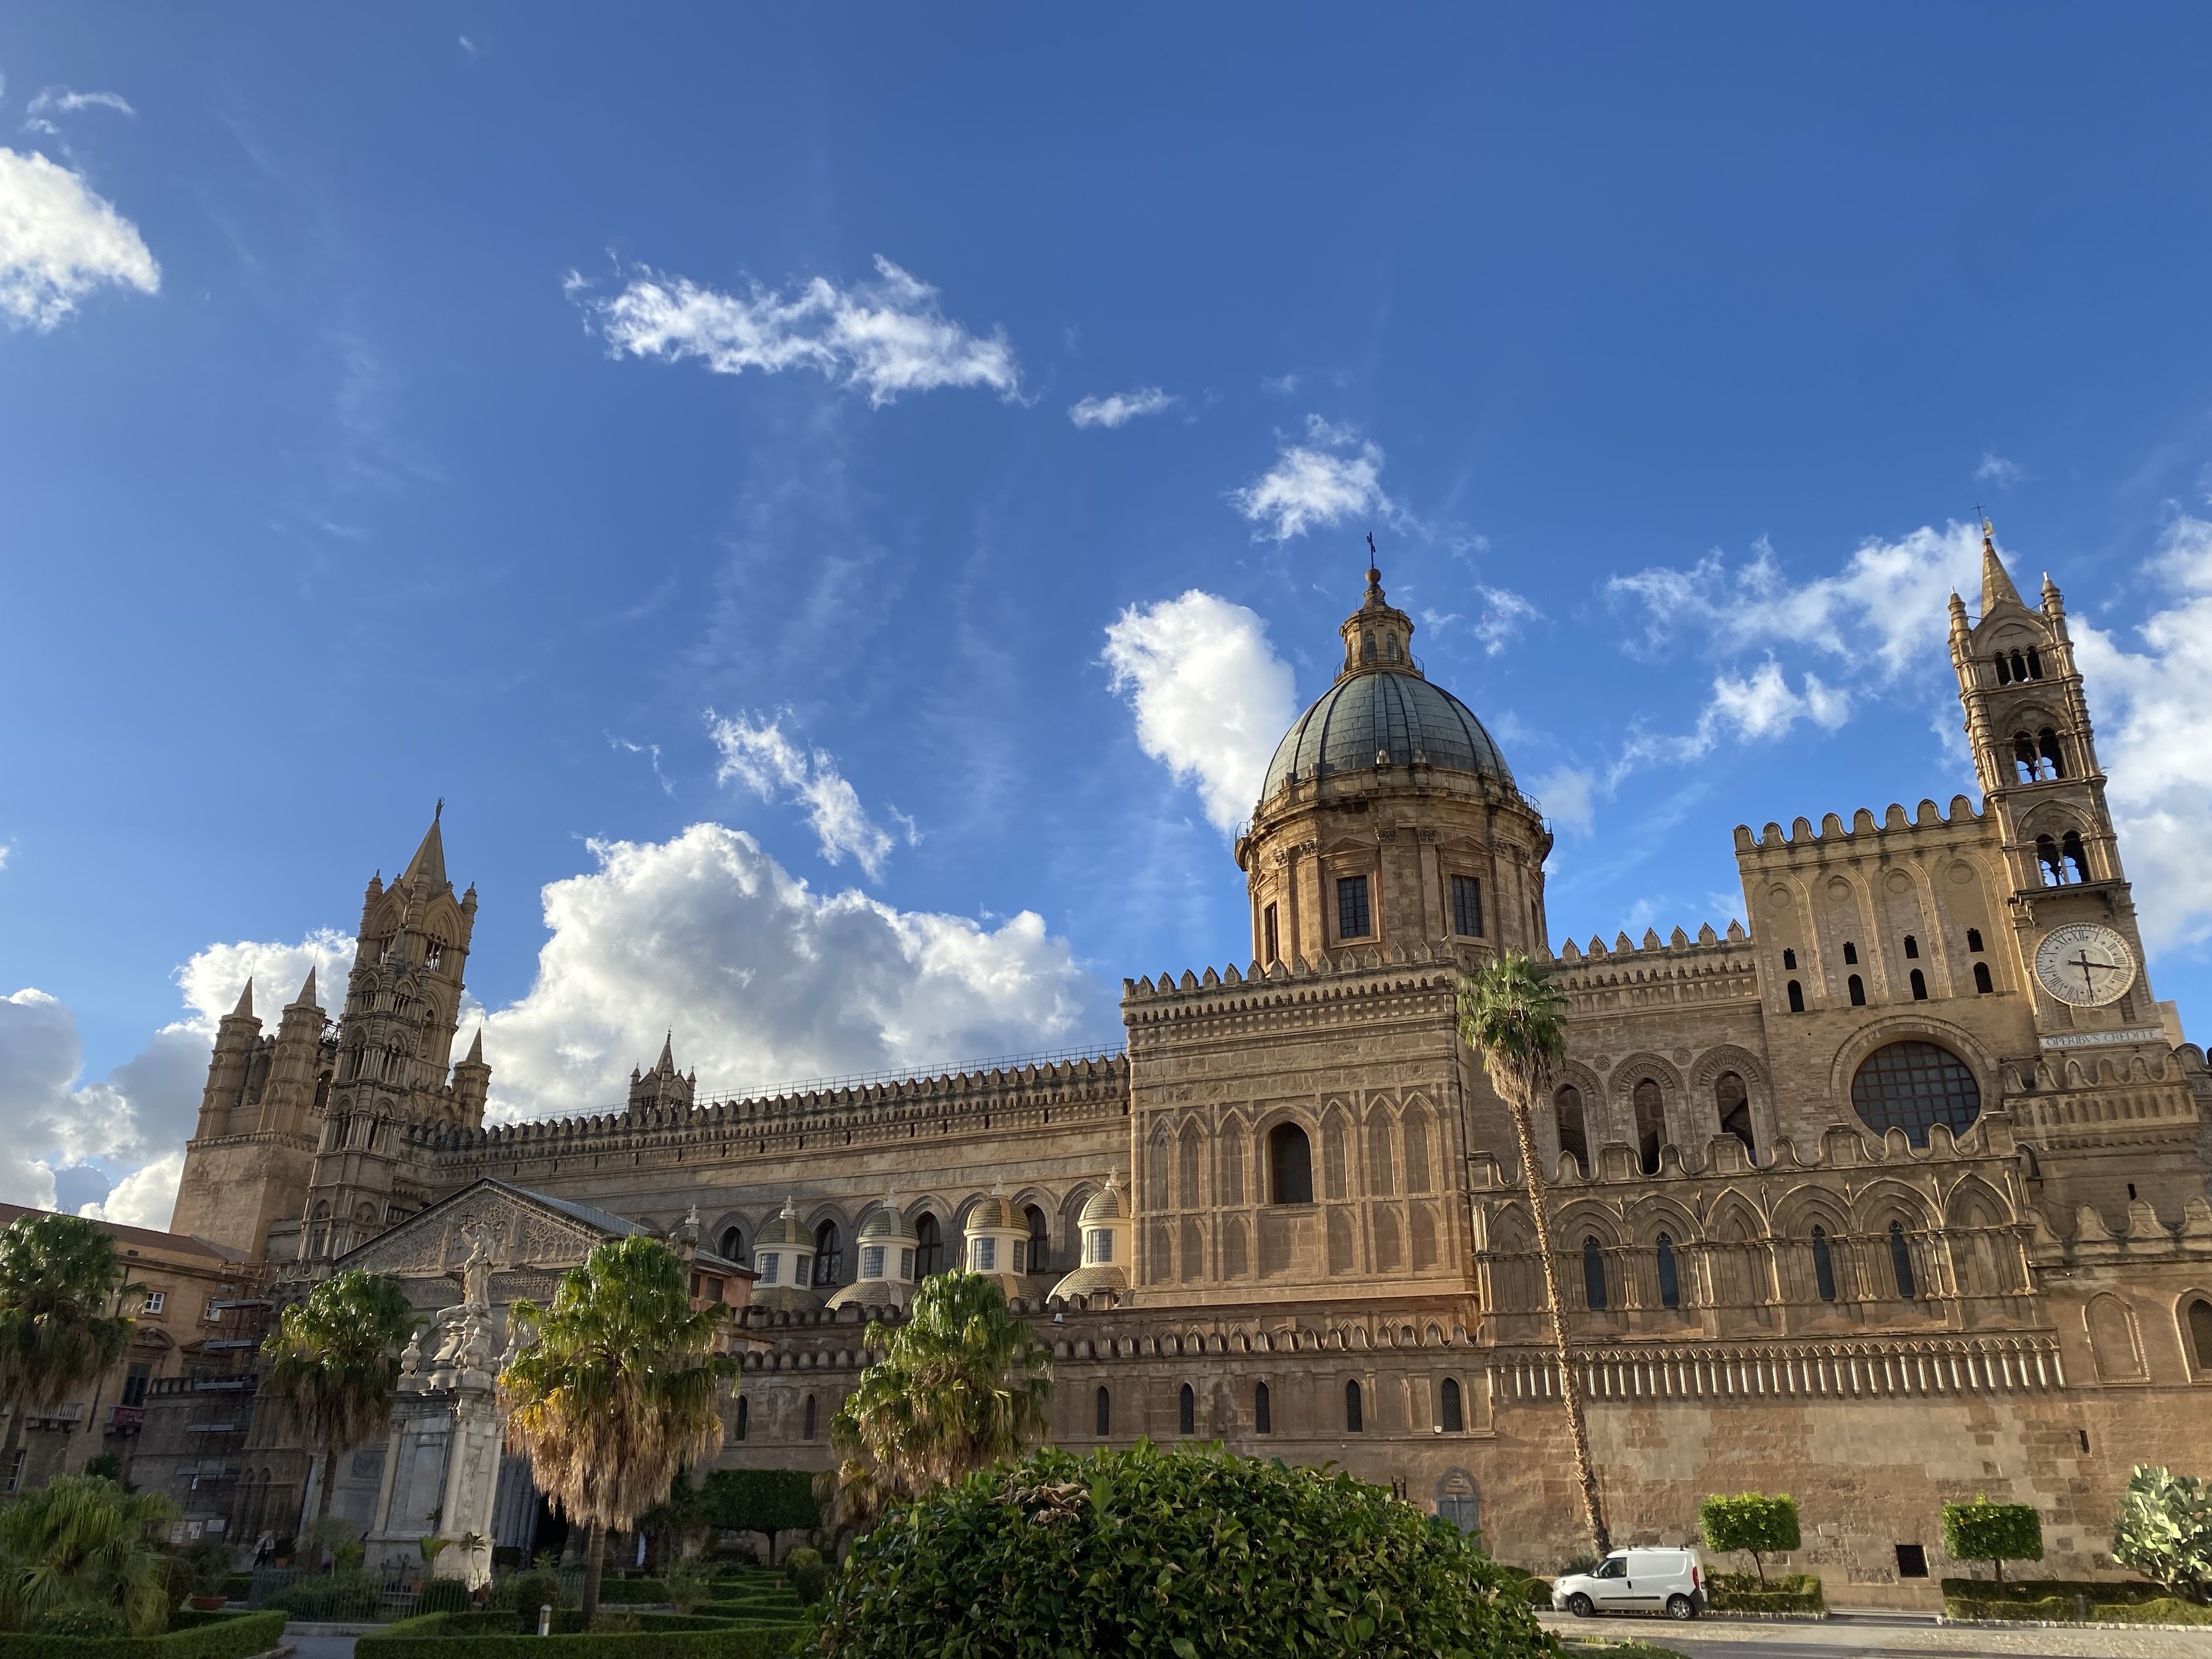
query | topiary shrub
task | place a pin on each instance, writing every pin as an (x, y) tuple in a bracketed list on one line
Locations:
[(443, 1595), (1750, 1523), (1171, 1553), (1996, 1532), (807, 1574), (81, 1619)]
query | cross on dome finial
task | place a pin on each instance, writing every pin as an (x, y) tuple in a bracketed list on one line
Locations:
[(1374, 562)]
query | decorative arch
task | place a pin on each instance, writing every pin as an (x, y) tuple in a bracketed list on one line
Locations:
[(2192, 1314), (1661, 1214), (1597, 1112), (1420, 1134), (1335, 1153), (1907, 1025), (1232, 1162), (2115, 1339), (1190, 1165), (1156, 1168), (1380, 1146)]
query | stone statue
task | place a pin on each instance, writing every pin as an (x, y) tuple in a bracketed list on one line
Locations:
[(476, 1271)]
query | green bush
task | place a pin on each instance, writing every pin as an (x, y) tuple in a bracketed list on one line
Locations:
[(426, 1639), (443, 1595), (2164, 1530), (1750, 1523), (527, 1592), (808, 1575), (1740, 1592), (329, 1596), (1996, 1532), (631, 1592), (2133, 1602), (1155, 1552), (86, 1618), (758, 1500), (226, 1639)]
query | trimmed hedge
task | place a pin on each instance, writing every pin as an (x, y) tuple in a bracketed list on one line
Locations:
[(1742, 1592), (632, 1592), (426, 1639), (234, 1637), (2036, 1601)]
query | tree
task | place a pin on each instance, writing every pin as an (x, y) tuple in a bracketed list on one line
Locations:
[(1511, 1015), (962, 1384), (334, 1360), (81, 1541), (1751, 1523), (61, 1286), (2164, 1530), (617, 1390), (1173, 1553), (1996, 1532)]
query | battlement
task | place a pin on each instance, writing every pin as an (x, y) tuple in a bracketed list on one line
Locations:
[(1831, 833), (1678, 945), (1296, 994)]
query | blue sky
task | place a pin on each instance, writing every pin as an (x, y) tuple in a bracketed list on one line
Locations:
[(840, 504)]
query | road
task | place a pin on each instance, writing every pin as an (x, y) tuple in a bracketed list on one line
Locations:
[(1849, 1639)]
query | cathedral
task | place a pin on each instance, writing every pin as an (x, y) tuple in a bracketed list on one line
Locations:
[(1894, 1197)]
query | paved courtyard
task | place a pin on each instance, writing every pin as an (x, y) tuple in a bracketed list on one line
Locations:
[(1836, 1638)]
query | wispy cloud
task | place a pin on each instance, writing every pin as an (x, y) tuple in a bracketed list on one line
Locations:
[(58, 242), (652, 751), (1334, 473), (61, 100), (883, 338), (1211, 697), (1122, 407), (1504, 614), (470, 49), (757, 752), (1996, 470)]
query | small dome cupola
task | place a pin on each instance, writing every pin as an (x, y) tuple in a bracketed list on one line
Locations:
[(1378, 635)]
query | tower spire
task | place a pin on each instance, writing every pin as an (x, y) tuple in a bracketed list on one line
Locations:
[(429, 859), (1996, 586), (245, 1008)]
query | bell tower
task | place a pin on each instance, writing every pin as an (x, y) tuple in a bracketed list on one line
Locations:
[(2035, 754)]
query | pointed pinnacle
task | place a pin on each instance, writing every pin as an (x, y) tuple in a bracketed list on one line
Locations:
[(245, 1008), (306, 997)]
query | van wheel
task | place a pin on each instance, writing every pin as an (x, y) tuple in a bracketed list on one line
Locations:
[(1680, 1606), (1579, 1605)]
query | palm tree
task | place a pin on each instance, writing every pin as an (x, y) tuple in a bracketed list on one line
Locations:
[(1510, 1014), (334, 1360), (961, 1385), (61, 1286), (82, 1540), (617, 1391)]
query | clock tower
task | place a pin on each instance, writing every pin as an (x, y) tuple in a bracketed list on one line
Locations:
[(2072, 912)]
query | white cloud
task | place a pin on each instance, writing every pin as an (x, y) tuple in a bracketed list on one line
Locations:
[(1564, 792), (1212, 698), (1996, 470), (60, 100), (1503, 615), (1120, 408), (757, 753), (1763, 706), (145, 1197), (883, 337), (2154, 712), (58, 241), (763, 980), (1279, 386), (1320, 482)]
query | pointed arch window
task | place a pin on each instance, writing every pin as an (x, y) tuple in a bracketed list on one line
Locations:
[(2071, 853), (1670, 1278), (2035, 663), (1900, 1263), (1187, 1411), (1355, 1419), (1594, 1274), (1650, 1123), (2048, 752), (1454, 1413), (1732, 1102), (1103, 1412), (744, 1415), (1263, 1413), (1290, 1166), (2200, 1332), (829, 1256), (2024, 760), (929, 1246), (1567, 1105), (1040, 1240), (1824, 1265)]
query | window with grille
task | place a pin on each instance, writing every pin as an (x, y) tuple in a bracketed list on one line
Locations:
[(1467, 906), (1354, 920), (1913, 1087)]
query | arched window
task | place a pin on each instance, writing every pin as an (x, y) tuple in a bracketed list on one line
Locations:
[(1367, 648), (1650, 1123), (1796, 998), (1567, 1104), (1040, 1241), (1670, 1280), (1594, 1274), (810, 1417), (1914, 1086), (2034, 664), (2047, 860), (732, 1245), (1790, 962), (929, 1246), (1974, 940), (2023, 758), (1187, 1411), (1732, 1102), (1355, 1421), (1454, 1416), (2071, 855), (1919, 986), (1983, 983), (1824, 1265), (744, 1415), (1911, 948), (828, 1257), (1103, 1412), (1851, 954), (2046, 749), (1290, 1166), (1856, 986), (2004, 669), (2200, 1332), (1900, 1263), (1263, 1413)]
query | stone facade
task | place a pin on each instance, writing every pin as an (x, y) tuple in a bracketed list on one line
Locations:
[(1895, 1196)]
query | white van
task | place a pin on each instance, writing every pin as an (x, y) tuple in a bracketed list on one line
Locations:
[(1672, 1581)]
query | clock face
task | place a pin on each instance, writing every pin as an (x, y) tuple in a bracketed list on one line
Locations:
[(2085, 964)]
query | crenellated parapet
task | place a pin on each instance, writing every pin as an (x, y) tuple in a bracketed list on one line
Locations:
[(1343, 986), (1864, 835), (1672, 973)]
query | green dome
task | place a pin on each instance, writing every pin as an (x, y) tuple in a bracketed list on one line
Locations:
[(1384, 711)]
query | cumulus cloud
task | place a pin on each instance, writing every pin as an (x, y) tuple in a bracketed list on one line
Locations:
[(2153, 705), (1120, 408), (763, 980), (883, 338), (758, 753), (1333, 474), (1211, 697), (134, 1119), (58, 241)]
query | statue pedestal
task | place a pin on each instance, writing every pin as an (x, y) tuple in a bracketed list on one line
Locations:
[(442, 1462)]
